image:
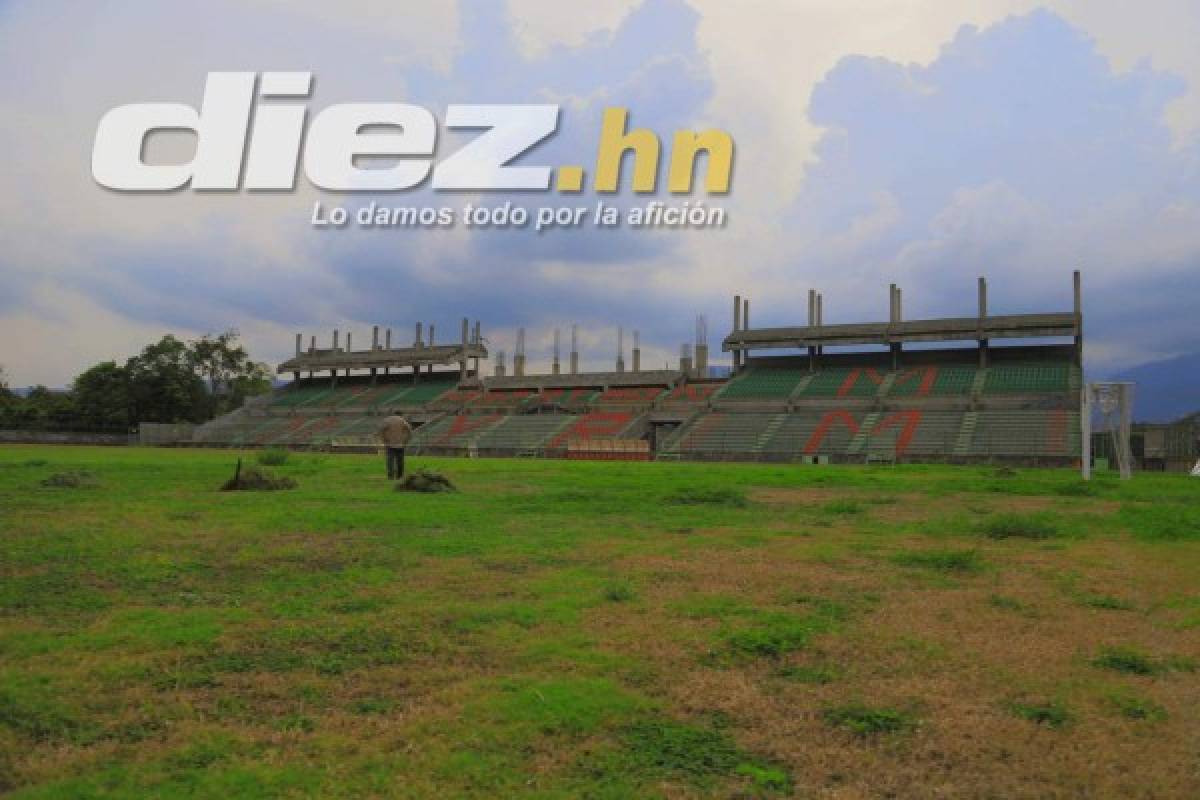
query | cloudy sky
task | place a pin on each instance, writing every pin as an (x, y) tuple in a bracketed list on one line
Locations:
[(911, 141)]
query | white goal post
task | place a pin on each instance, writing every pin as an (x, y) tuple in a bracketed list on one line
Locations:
[(1115, 402)]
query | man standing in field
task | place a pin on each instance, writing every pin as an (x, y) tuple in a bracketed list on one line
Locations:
[(395, 434)]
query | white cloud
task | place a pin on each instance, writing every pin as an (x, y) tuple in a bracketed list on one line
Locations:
[(542, 24)]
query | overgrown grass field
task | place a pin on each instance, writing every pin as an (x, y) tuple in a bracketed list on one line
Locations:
[(576, 629)]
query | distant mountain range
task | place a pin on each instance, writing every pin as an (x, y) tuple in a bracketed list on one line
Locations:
[(1166, 390)]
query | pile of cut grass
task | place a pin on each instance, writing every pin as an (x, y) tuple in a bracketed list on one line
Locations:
[(251, 479)]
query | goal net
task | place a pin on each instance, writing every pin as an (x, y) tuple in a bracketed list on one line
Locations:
[(1113, 404)]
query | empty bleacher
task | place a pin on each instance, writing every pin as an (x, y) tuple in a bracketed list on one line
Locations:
[(453, 432), (504, 400), (420, 394), (593, 425), (571, 399), (725, 434), (689, 396), (524, 433), (629, 396), (1028, 378), (764, 383), (934, 380), (1025, 433)]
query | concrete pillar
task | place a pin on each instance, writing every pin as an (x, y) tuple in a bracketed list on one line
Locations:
[(462, 362), (983, 342), (812, 322), (1078, 318), (746, 314), (574, 349), (702, 361), (820, 321), (737, 326), (478, 338)]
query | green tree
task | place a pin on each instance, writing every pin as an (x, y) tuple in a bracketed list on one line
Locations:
[(43, 409), (102, 397), (228, 372), (163, 384)]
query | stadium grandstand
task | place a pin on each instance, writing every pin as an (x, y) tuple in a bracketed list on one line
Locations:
[(958, 389)]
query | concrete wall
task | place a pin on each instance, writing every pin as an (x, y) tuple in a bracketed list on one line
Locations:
[(155, 433), (65, 437)]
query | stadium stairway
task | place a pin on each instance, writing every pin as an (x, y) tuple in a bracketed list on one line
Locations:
[(966, 433), (724, 434)]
